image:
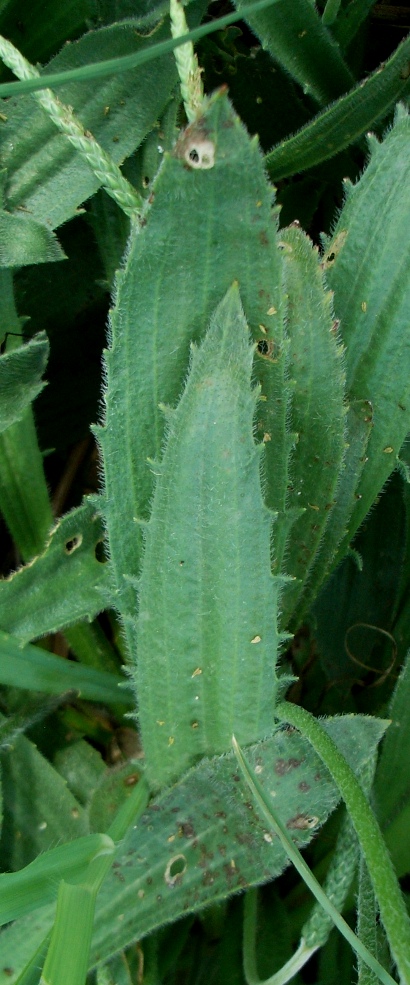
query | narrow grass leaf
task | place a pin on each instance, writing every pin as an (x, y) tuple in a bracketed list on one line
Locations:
[(344, 121), (36, 884), (35, 669)]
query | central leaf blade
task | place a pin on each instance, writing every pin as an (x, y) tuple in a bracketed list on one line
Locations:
[(207, 637)]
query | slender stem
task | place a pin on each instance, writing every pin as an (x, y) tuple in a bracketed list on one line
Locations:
[(392, 907), (111, 66), (265, 805)]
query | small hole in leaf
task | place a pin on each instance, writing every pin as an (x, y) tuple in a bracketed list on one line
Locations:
[(99, 552), (145, 181), (267, 348), (175, 869), (72, 544), (263, 347)]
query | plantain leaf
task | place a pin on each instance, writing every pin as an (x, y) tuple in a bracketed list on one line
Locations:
[(63, 585), (21, 381), (393, 800), (194, 242), (200, 842), (207, 638), (359, 422), (317, 416), (24, 240), (368, 268)]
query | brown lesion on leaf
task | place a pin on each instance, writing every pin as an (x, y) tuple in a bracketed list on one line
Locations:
[(302, 823)]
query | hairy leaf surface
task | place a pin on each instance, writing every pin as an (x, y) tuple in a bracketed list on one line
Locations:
[(368, 268), (21, 381), (218, 844), (206, 636), (210, 223), (63, 585), (317, 414)]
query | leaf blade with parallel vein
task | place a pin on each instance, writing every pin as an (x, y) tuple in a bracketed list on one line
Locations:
[(207, 637)]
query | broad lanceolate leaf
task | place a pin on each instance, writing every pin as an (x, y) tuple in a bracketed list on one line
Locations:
[(368, 268), (317, 416), (63, 585), (207, 638), (295, 36), (21, 381), (200, 842), (210, 223)]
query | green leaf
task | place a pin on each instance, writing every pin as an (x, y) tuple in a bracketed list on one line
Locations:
[(21, 381), (206, 819), (24, 240), (67, 957), (43, 27), (45, 173), (317, 416), (24, 500), (296, 37), (193, 244), (368, 268), (346, 120), (207, 667), (40, 812), (359, 422), (63, 585), (36, 885), (266, 806), (349, 19), (110, 794), (37, 670), (111, 66), (387, 890)]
